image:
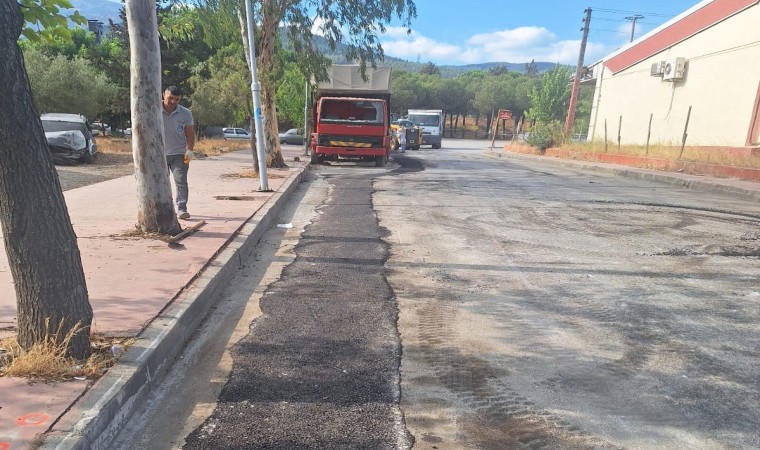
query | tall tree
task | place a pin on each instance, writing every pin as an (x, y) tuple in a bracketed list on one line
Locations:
[(68, 85), (429, 68), (290, 97), (155, 210), (51, 292), (223, 97), (531, 69), (354, 24), (551, 95)]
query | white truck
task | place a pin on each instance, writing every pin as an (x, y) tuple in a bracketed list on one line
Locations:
[(431, 122)]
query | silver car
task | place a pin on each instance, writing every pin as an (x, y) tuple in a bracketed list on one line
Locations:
[(292, 137), (236, 133)]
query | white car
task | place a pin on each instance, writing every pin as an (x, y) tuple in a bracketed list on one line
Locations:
[(236, 133)]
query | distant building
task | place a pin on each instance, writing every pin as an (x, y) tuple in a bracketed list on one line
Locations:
[(98, 28), (702, 67)]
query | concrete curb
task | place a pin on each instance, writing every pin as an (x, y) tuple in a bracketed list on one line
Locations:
[(675, 179), (95, 420)]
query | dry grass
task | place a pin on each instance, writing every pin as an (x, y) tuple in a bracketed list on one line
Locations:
[(669, 152), (48, 361), (207, 146)]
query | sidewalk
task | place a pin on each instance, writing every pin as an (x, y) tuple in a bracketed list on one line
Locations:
[(140, 286), (734, 186)]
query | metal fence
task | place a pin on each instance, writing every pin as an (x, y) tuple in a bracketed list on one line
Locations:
[(475, 134)]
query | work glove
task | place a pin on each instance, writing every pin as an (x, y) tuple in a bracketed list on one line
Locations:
[(188, 156)]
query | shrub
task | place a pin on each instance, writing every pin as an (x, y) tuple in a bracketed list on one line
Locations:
[(545, 135)]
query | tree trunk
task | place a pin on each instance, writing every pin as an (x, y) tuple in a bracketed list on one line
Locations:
[(155, 209), (269, 29), (265, 53), (51, 292)]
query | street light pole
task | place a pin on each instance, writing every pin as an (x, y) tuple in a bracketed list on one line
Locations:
[(306, 134), (256, 91)]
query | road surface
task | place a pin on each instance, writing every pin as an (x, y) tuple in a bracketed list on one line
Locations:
[(455, 300)]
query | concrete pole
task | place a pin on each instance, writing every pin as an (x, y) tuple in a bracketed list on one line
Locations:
[(306, 134), (633, 19), (256, 91), (577, 80)]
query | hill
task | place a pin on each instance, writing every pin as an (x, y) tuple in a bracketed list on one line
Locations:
[(103, 10), (411, 66)]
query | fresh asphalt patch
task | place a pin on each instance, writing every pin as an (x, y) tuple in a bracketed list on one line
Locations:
[(320, 367)]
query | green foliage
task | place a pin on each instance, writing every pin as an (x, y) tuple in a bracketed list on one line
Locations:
[(178, 24), (219, 21), (68, 85), (550, 96), (43, 19), (354, 26), (498, 70), (223, 95), (545, 135), (531, 69), (583, 110), (291, 97), (429, 68)]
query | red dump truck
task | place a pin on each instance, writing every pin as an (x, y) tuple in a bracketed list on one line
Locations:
[(351, 115)]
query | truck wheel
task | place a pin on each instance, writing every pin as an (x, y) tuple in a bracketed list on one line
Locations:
[(314, 158), (415, 147), (380, 161), (87, 157), (436, 145)]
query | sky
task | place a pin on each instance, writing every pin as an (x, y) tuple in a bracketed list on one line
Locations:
[(448, 32)]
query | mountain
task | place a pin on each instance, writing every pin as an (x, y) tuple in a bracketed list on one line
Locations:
[(101, 10), (411, 66)]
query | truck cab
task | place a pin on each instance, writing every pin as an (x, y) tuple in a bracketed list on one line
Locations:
[(431, 122), (352, 116)]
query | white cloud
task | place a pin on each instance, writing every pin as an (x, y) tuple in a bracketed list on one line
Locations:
[(316, 26), (414, 45), (516, 45)]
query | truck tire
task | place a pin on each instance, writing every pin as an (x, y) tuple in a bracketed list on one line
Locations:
[(87, 157), (437, 145), (415, 147), (314, 158), (380, 161)]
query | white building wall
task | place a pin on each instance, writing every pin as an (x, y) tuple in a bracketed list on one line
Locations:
[(721, 83)]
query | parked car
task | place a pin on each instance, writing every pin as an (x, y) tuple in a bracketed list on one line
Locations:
[(293, 137), (236, 133), (100, 129), (69, 138)]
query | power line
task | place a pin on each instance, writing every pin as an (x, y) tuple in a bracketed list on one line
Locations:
[(627, 12), (603, 19)]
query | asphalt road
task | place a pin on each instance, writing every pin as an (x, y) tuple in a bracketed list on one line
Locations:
[(454, 300), (544, 307)]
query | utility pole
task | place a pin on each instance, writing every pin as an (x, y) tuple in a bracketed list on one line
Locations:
[(256, 91), (577, 79), (633, 20)]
